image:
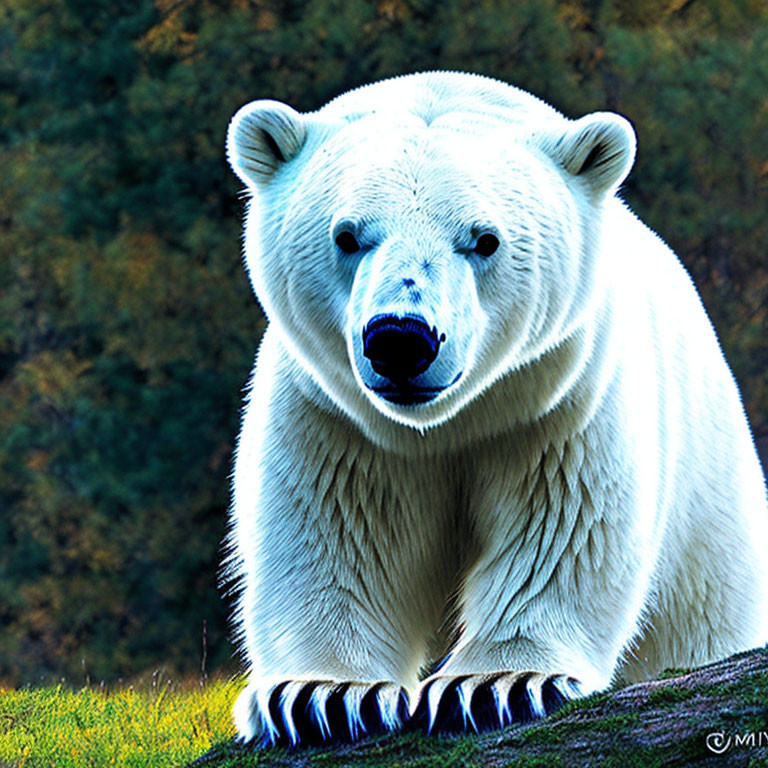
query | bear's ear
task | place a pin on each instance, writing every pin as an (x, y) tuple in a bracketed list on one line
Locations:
[(262, 136), (599, 148)]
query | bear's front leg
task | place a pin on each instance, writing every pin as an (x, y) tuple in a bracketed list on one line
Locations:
[(326, 540), (553, 599)]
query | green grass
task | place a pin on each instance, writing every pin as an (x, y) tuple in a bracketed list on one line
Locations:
[(157, 725)]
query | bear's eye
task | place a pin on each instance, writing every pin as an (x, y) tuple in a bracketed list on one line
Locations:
[(486, 244), (347, 242)]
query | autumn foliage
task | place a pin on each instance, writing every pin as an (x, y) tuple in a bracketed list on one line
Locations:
[(127, 328)]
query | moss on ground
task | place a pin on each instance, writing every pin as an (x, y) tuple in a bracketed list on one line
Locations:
[(670, 697)]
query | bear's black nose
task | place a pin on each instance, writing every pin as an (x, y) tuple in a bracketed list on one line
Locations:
[(400, 348)]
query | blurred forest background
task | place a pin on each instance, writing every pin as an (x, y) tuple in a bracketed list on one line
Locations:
[(127, 328)]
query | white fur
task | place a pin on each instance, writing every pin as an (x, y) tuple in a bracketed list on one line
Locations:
[(585, 500)]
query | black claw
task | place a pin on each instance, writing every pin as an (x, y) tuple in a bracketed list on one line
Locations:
[(304, 716), (551, 696), (403, 706), (483, 706), (449, 717), (276, 713), (370, 712), (420, 718), (336, 713), (520, 705)]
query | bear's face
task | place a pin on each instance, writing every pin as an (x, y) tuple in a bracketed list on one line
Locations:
[(441, 252), (410, 264)]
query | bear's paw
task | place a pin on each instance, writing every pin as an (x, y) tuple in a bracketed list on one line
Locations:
[(314, 712), (485, 702)]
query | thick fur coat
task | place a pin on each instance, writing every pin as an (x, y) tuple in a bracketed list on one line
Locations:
[(566, 493)]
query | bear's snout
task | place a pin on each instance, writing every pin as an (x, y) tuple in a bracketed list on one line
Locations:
[(400, 348)]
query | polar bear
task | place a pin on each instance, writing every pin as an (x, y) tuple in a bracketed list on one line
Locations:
[(491, 456)]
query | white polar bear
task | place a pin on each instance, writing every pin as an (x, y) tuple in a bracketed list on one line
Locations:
[(492, 455)]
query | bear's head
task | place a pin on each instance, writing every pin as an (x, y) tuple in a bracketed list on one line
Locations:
[(411, 258)]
